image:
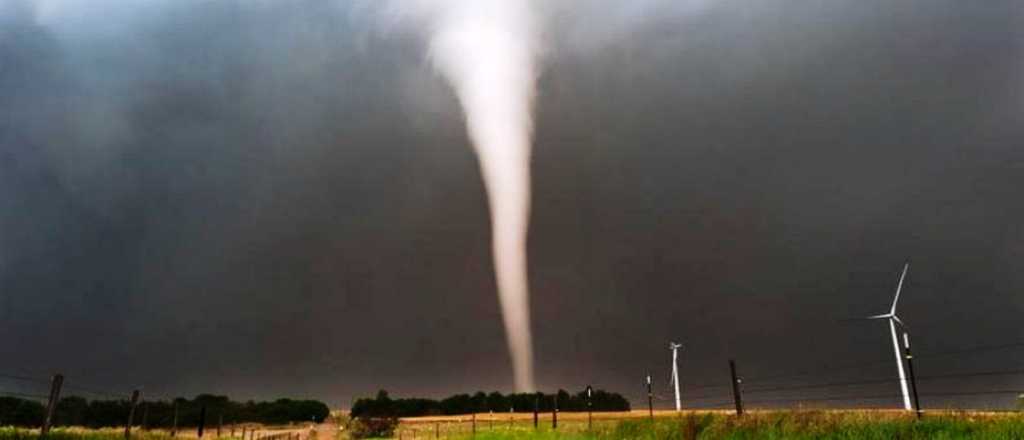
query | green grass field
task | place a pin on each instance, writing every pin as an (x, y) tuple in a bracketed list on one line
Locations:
[(795, 425), (9, 433)]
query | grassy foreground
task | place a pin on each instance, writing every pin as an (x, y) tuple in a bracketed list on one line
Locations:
[(797, 425), (9, 433)]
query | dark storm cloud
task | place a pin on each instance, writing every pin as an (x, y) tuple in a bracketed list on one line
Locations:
[(264, 198)]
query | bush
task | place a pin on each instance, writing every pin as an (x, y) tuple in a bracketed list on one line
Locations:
[(371, 427)]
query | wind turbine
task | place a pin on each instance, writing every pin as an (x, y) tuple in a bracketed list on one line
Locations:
[(893, 320), (675, 371)]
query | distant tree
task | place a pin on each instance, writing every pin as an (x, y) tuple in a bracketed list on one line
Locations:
[(73, 410), (384, 406), (21, 412), (496, 402)]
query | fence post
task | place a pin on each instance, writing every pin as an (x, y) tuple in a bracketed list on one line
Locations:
[(202, 420), (220, 421), (174, 423), (554, 412), (650, 398), (910, 370), (736, 388), (145, 416), (437, 429), (474, 424), (131, 415), (51, 405), (536, 409), (590, 408)]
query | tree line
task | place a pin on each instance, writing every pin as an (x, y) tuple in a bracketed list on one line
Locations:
[(78, 411), (384, 406)]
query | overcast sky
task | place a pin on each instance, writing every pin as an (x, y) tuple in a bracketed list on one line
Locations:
[(267, 198)]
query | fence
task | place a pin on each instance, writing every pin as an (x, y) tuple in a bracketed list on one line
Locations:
[(857, 385), (33, 401)]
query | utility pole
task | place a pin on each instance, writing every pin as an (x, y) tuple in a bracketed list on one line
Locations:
[(910, 370), (131, 415), (650, 398), (736, 388), (51, 405)]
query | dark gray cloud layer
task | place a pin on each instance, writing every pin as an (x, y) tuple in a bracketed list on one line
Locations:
[(269, 198)]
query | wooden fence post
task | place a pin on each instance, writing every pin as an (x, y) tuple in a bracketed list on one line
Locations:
[(131, 415), (202, 420), (174, 422), (51, 405), (736, 388), (145, 416), (554, 412)]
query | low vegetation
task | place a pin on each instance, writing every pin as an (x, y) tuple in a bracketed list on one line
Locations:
[(77, 411), (384, 406), (795, 425), (12, 433)]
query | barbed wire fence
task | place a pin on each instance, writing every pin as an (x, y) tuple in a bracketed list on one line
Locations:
[(34, 393), (819, 387)]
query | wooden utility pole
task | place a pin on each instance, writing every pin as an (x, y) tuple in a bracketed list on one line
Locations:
[(131, 415), (51, 405), (736, 388), (910, 371)]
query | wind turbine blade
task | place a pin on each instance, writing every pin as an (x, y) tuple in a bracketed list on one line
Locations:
[(897, 319), (882, 316), (899, 287)]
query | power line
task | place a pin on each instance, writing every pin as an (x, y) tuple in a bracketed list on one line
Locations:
[(97, 392), (820, 385), (975, 374), (24, 378), (24, 395), (975, 393)]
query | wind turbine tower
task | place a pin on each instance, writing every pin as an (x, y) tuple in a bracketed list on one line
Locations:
[(675, 371), (893, 320)]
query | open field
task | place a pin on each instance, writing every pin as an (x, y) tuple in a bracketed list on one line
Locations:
[(839, 424), (78, 433)]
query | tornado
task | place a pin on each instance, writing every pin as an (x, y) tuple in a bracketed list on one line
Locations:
[(485, 49)]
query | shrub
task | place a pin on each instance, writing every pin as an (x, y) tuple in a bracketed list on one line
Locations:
[(371, 427)]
